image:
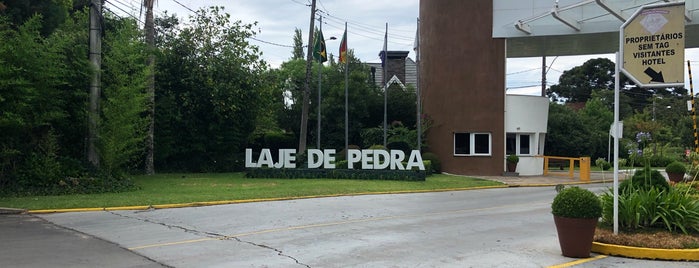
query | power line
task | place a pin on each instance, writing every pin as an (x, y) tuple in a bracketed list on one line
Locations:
[(122, 10), (271, 43), (296, 1), (524, 71), (368, 28), (186, 7)]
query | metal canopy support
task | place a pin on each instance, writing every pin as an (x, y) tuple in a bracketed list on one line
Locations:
[(523, 27), (571, 23), (611, 9)]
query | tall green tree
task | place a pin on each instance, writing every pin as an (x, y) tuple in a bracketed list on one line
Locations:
[(577, 84), (598, 119), (53, 12), (566, 135), (209, 87), (124, 106), (363, 97), (298, 45)]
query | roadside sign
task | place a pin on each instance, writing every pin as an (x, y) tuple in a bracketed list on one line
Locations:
[(652, 45)]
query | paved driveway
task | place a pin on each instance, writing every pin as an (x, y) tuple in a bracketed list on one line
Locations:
[(29, 241), (509, 227)]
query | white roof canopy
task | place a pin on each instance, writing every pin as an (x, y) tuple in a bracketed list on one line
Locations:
[(573, 27)]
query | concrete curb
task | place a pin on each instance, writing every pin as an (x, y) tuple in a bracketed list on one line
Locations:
[(227, 202), (646, 253)]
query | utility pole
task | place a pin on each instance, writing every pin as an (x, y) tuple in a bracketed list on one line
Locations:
[(95, 85), (150, 42), (543, 76), (307, 84), (320, 79)]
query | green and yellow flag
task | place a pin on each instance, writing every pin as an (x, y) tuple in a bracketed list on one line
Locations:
[(319, 52)]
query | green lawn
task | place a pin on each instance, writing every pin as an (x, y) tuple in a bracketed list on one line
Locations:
[(194, 187)]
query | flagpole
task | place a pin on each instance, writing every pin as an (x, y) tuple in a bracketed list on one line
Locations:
[(344, 43), (385, 88), (417, 86), (320, 79)]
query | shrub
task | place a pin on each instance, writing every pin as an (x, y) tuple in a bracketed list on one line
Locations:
[(653, 208), (512, 159), (675, 167), (377, 147), (622, 162), (371, 135), (648, 178), (343, 153), (400, 145), (428, 167), (576, 202), (434, 160), (602, 164)]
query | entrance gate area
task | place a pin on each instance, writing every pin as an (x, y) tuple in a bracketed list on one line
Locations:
[(560, 162)]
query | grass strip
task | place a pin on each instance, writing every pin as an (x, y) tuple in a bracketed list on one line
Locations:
[(176, 188)]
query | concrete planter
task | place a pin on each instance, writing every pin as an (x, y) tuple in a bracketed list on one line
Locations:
[(511, 167), (675, 177), (575, 235)]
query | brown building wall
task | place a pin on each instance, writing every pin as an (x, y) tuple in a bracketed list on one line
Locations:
[(462, 79)]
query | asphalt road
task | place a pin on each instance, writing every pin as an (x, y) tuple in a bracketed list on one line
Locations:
[(28, 241), (508, 227)]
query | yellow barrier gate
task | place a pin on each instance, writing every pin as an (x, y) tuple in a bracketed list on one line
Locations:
[(583, 162)]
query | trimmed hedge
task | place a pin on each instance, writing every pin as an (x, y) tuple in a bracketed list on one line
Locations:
[(576, 202), (354, 174)]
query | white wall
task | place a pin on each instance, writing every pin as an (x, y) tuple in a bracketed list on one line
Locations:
[(526, 114)]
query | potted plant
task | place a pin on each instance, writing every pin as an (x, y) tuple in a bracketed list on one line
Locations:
[(575, 212), (675, 171), (512, 161)]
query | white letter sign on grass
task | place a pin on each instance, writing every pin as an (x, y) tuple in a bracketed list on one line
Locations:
[(367, 159)]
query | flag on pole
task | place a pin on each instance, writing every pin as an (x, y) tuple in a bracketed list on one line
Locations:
[(319, 52), (343, 48), (416, 44), (385, 48)]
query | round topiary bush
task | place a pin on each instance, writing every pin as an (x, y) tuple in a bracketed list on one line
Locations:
[(377, 147), (675, 171), (675, 167), (576, 202), (400, 145), (647, 178)]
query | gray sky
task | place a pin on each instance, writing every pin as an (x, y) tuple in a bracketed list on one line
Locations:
[(366, 20)]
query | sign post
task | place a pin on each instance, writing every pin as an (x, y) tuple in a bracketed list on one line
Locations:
[(651, 53)]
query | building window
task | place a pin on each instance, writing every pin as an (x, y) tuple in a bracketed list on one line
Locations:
[(511, 144), (518, 144), (472, 143), (524, 144)]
